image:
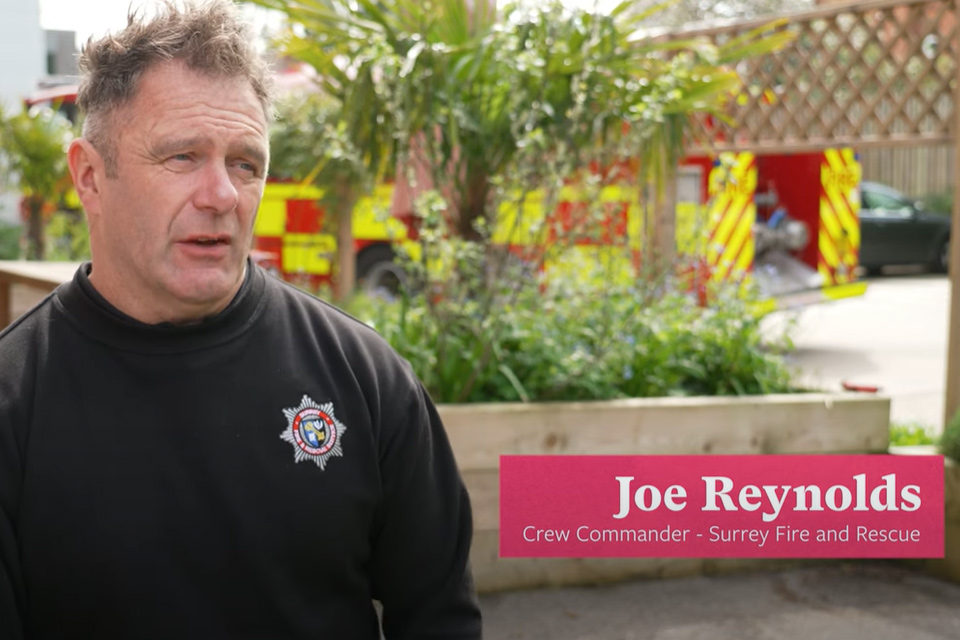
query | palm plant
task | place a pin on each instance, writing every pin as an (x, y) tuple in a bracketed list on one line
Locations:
[(492, 107), (466, 85), (32, 147), (311, 142), (347, 140)]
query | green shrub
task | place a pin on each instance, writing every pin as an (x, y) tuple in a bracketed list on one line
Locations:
[(9, 241), (558, 344), (485, 325), (910, 434), (550, 149), (67, 237), (938, 202), (950, 439)]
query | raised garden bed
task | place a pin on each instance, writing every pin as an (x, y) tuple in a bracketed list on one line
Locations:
[(772, 424)]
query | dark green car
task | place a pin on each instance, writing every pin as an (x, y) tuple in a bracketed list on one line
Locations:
[(894, 230)]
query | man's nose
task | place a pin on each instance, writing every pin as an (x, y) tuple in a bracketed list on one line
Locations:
[(217, 193)]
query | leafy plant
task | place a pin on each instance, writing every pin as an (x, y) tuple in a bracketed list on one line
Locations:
[(9, 241), (458, 89), (499, 118), (910, 434), (939, 202), (317, 140), (571, 343), (949, 444), (32, 147), (68, 237)]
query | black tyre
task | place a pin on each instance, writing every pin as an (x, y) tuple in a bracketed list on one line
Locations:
[(941, 262), (378, 271)]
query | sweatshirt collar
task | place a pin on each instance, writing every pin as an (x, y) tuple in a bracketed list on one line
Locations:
[(98, 319)]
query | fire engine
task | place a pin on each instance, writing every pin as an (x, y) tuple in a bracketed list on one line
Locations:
[(787, 222)]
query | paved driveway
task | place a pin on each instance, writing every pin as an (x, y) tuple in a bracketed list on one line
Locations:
[(894, 337), (868, 601)]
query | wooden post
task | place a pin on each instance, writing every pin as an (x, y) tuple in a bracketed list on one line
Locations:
[(346, 274), (952, 402), (666, 229), (659, 211), (6, 303)]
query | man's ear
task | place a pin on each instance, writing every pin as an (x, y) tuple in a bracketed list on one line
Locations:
[(87, 170)]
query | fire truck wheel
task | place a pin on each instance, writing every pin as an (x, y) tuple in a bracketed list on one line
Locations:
[(385, 277), (377, 271)]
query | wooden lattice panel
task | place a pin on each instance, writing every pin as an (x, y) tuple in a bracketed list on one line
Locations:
[(873, 74)]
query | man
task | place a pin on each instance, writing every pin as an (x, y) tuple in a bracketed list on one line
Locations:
[(190, 448)]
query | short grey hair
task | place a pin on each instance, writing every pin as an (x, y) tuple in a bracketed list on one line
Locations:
[(209, 37)]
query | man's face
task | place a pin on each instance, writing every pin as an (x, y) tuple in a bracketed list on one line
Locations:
[(170, 232)]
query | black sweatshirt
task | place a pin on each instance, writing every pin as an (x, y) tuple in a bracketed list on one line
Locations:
[(266, 473)]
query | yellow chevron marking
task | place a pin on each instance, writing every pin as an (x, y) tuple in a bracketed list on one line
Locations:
[(828, 250), (829, 223), (840, 185), (847, 219), (836, 221), (740, 236), (745, 261), (727, 226), (826, 273), (732, 230), (837, 174)]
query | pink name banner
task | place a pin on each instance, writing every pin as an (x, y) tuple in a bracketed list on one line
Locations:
[(758, 506)]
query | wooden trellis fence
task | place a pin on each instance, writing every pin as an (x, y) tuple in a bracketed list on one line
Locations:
[(871, 74), (877, 73)]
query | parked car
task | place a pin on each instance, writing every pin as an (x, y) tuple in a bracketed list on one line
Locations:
[(896, 230)]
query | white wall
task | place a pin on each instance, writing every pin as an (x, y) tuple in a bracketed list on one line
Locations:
[(22, 63)]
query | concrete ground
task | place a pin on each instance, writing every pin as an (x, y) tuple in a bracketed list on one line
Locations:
[(893, 337), (869, 601)]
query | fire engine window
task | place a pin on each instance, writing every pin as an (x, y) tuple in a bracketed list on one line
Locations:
[(688, 184)]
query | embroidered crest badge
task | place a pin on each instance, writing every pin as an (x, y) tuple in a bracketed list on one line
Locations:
[(314, 432)]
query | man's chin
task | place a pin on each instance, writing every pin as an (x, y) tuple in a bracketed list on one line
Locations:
[(208, 290)]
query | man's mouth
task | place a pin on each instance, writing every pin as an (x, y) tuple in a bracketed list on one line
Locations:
[(208, 241)]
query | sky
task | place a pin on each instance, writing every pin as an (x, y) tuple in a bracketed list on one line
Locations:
[(96, 17)]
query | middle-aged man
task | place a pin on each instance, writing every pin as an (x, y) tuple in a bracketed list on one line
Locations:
[(190, 448)]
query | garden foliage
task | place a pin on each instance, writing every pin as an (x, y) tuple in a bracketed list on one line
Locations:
[(32, 156), (522, 335), (950, 439), (9, 241), (539, 138), (563, 347)]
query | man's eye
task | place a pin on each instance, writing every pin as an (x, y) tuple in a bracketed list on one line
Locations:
[(181, 157), (248, 167)]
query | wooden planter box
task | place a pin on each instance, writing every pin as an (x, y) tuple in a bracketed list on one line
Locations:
[(949, 566), (775, 424)]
